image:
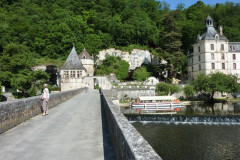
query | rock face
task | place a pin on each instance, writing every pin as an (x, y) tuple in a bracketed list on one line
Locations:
[(135, 59)]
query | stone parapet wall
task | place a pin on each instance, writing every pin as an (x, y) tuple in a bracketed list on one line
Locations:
[(15, 112), (128, 142), (131, 93)]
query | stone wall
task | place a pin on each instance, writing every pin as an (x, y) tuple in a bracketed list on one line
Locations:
[(15, 112), (128, 142)]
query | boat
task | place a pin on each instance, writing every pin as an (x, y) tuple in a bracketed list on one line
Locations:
[(156, 103)]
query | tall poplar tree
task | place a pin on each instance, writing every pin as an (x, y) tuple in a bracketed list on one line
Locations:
[(171, 43)]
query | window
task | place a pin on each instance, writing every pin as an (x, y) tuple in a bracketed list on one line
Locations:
[(234, 56), (233, 48), (234, 66), (71, 74), (199, 58), (199, 67), (212, 46), (66, 74), (223, 56), (199, 49), (222, 46), (78, 74), (223, 65), (192, 68), (212, 56), (213, 65)]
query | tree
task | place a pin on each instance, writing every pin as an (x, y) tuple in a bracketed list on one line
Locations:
[(170, 45), (216, 82), (113, 65), (166, 88), (122, 70), (140, 74), (188, 91)]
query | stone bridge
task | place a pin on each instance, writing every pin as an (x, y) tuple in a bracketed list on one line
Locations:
[(80, 126)]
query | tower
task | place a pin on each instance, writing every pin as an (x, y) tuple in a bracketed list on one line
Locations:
[(87, 62), (72, 72)]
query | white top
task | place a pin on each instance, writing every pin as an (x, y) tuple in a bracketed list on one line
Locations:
[(46, 93), (154, 98)]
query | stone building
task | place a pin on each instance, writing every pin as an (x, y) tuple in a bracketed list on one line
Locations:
[(73, 74), (212, 52), (87, 62)]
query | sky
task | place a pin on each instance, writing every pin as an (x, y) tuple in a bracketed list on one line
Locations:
[(174, 3)]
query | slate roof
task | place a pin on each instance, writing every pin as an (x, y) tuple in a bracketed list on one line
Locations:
[(210, 32), (73, 62), (85, 55), (233, 46)]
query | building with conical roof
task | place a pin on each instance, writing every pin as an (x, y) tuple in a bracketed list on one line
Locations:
[(87, 62), (212, 52), (73, 74)]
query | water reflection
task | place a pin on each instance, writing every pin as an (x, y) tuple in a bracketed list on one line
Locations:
[(212, 109), (192, 142), (200, 108)]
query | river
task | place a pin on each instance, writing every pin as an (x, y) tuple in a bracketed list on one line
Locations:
[(198, 132)]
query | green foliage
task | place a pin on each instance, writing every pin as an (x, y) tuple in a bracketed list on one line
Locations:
[(216, 82), (140, 74), (188, 91), (0, 91), (166, 89), (113, 65), (39, 32)]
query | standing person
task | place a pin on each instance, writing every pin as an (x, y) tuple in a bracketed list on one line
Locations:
[(45, 98), (86, 88)]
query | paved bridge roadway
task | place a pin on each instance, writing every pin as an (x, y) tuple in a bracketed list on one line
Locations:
[(72, 131)]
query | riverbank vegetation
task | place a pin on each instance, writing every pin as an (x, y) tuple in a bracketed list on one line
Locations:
[(212, 83), (43, 32)]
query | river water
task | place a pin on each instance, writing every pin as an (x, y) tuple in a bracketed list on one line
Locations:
[(197, 133)]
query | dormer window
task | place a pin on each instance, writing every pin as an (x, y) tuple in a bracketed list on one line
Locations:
[(216, 36), (233, 48)]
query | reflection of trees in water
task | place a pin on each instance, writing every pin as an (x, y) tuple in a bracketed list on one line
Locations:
[(213, 109)]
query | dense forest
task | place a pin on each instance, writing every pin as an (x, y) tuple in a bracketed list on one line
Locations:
[(37, 32)]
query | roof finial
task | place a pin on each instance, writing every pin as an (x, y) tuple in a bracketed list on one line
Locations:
[(73, 45), (84, 48)]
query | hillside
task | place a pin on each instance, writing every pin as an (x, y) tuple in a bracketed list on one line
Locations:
[(37, 32)]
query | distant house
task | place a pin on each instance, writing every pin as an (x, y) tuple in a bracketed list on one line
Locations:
[(73, 73), (212, 52)]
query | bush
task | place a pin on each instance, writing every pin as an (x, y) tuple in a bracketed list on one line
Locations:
[(140, 74), (166, 88)]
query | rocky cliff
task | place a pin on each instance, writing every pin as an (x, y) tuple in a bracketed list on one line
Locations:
[(135, 59)]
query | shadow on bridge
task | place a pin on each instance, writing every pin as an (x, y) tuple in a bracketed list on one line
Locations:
[(108, 148)]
